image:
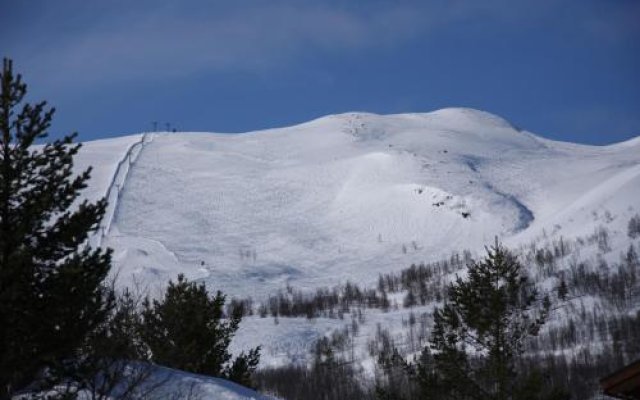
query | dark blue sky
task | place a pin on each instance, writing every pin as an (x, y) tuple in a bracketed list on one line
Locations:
[(565, 69)]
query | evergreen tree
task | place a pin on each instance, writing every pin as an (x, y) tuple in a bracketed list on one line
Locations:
[(51, 291), (105, 370), (187, 330), (243, 367), (633, 228), (631, 259), (480, 333), (563, 290)]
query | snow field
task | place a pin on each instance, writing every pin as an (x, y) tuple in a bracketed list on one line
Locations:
[(347, 197)]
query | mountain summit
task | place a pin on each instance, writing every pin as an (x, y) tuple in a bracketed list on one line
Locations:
[(349, 196)]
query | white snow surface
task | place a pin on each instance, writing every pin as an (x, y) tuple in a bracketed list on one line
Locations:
[(175, 384), (337, 198), (163, 383), (346, 197)]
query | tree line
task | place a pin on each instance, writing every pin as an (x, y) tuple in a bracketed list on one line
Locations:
[(426, 283), (488, 339)]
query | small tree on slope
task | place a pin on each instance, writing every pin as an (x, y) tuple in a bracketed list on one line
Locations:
[(187, 330), (51, 292), (480, 333)]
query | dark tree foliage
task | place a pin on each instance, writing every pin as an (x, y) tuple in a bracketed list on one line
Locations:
[(479, 334), (51, 292), (563, 290), (188, 330), (113, 363), (243, 367), (329, 377), (633, 228), (327, 382)]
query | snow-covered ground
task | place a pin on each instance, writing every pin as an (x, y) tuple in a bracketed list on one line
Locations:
[(346, 197), (173, 384), (163, 383)]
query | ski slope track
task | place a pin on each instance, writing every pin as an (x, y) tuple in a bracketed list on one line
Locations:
[(345, 197), (116, 185)]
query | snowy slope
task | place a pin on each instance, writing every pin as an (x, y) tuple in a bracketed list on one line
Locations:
[(351, 195), (174, 384), (345, 197), (156, 382), (103, 156)]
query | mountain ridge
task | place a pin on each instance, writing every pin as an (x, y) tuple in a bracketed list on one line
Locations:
[(341, 196)]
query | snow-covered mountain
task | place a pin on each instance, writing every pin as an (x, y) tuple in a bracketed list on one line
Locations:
[(347, 196)]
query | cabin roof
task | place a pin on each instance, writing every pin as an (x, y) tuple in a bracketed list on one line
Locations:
[(623, 383)]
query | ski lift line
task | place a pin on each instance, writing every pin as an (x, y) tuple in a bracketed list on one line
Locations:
[(116, 184)]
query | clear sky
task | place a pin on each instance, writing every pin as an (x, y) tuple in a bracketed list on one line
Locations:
[(564, 69)]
